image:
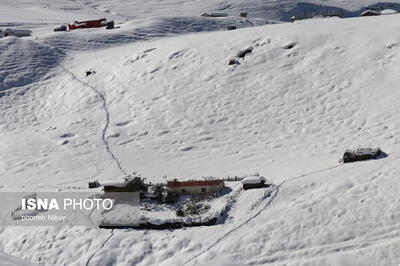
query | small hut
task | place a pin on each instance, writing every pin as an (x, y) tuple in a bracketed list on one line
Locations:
[(114, 187), (362, 154), (251, 182), (16, 33), (370, 12), (214, 14)]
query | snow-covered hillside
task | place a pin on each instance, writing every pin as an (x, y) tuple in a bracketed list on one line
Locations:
[(12, 261), (164, 101), (33, 11)]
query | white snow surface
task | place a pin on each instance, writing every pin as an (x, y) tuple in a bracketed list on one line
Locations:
[(8, 260), (164, 101)]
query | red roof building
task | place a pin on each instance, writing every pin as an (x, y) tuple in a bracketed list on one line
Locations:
[(98, 23)]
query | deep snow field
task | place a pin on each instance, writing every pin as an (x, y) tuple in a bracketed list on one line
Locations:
[(164, 101)]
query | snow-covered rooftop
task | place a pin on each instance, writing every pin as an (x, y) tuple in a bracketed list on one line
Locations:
[(253, 180), (114, 184)]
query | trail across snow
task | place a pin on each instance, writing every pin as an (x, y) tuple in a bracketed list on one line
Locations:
[(274, 194), (107, 120), (102, 246)]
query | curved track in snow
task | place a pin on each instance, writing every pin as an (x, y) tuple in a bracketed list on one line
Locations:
[(107, 119), (102, 245), (272, 198)]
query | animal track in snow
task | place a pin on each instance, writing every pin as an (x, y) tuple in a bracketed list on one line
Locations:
[(145, 133), (244, 52), (240, 55), (149, 50), (175, 55), (164, 132), (67, 135), (123, 123), (289, 46), (391, 45), (114, 135), (186, 148)]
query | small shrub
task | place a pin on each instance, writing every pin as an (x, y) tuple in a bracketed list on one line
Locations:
[(180, 212), (170, 197), (159, 192), (193, 208), (135, 183)]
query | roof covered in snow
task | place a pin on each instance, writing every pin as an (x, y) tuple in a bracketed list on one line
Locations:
[(360, 151), (370, 12), (253, 180), (114, 184), (195, 183), (388, 11)]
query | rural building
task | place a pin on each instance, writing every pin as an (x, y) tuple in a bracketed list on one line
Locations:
[(254, 182), (119, 191), (114, 187), (362, 154), (98, 23), (214, 14), (196, 187), (16, 33), (370, 12)]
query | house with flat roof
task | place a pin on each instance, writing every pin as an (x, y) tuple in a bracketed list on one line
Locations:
[(196, 187)]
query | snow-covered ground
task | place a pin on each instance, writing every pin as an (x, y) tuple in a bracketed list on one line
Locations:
[(55, 11), (12, 261), (164, 101)]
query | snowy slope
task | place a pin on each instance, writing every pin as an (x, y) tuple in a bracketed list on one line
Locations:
[(132, 10), (170, 105), (12, 261)]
